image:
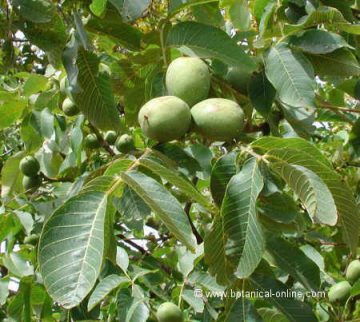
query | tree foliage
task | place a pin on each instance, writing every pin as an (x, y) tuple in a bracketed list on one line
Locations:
[(100, 222)]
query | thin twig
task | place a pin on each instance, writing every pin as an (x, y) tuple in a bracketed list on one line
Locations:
[(144, 252), (187, 208), (103, 143)]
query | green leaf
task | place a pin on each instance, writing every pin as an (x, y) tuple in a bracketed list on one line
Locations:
[(206, 41), (17, 265), (39, 11), (122, 258), (105, 287), (98, 7), (171, 175), (130, 9), (341, 62), (131, 308), (133, 209), (293, 309), (4, 289), (269, 11), (241, 310), (221, 173), (115, 29), (316, 41), (92, 91), (71, 248), (261, 93), (164, 204), (11, 108), (327, 16), (245, 242), (196, 303), (292, 76), (50, 37), (311, 190), (11, 176), (349, 217), (34, 84), (177, 5), (293, 261), (272, 315), (214, 250), (272, 206), (268, 143), (238, 12)]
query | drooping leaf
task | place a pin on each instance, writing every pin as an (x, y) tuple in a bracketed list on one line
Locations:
[(292, 76), (261, 93), (71, 248), (215, 256), (348, 213), (294, 262), (316, 41), (206, 41), (106, 286), (341, 62), (245, 242), (221, 173), (311, 190), (91, 89), (164, 204)]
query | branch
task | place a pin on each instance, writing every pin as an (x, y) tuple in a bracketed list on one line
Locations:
[(103, 143), (187, 208), (66, 179), (144, 252)]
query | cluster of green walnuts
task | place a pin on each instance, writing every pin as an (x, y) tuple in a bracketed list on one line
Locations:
[(30, 168), (123, 143), (340, 292), (187, 107)]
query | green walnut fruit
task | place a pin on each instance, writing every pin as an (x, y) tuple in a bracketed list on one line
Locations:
[(31, 183), (29, 166), (189, 79), (125, 143), (165, 118), (69, 107), (218, 119), (353, 271), (169, 312), (339, 292), (110, 137), (91, 141)]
